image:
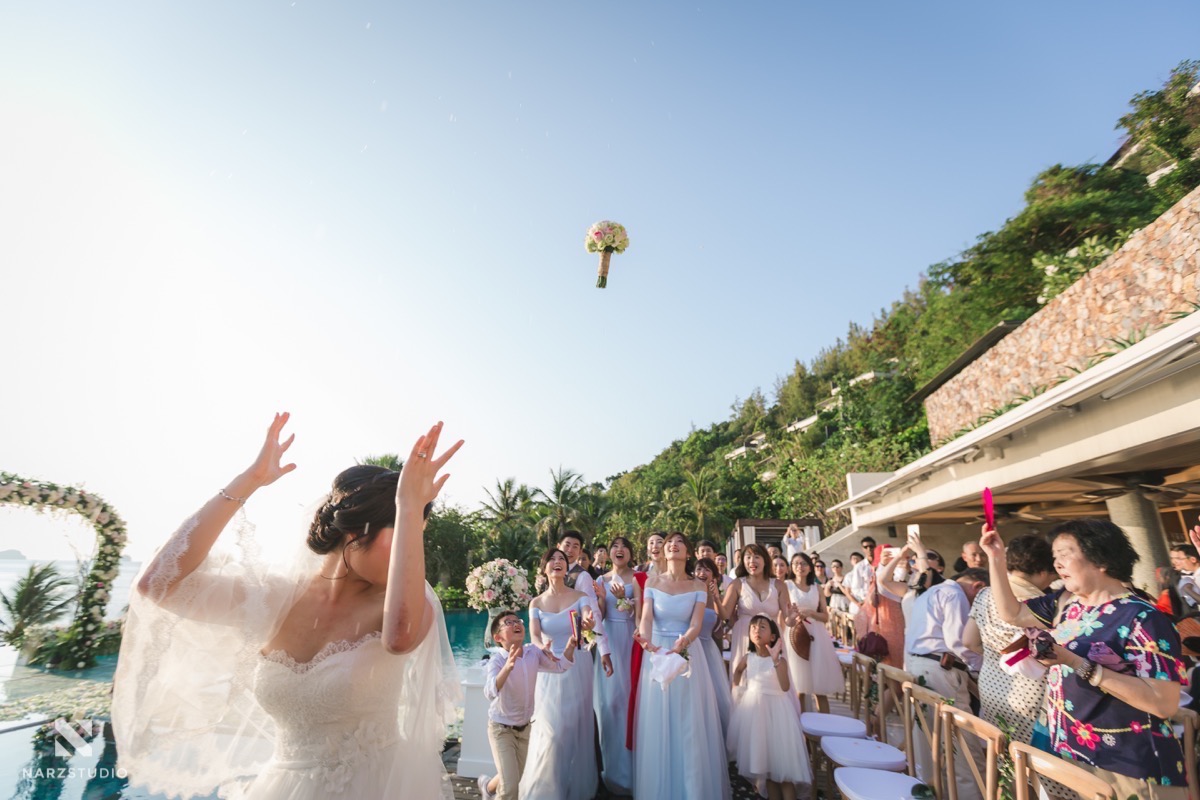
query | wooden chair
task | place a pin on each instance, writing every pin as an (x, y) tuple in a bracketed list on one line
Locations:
[(862, 675), (1030, 765), (1186, 723), (917, 725), (957, 724), (890, 681)]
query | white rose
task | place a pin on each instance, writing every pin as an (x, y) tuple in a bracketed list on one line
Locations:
[(487, 582)]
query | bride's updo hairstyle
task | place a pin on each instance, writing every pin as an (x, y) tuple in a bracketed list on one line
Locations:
[(360, 505)]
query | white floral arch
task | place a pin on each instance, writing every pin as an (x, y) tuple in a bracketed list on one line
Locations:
[(78, 649)]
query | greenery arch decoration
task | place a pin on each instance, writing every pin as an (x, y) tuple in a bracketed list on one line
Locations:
[(77, 649)]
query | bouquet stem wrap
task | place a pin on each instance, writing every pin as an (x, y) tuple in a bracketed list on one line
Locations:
[(602, 273)]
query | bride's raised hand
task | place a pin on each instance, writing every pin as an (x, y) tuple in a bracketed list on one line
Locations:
[(267, 467), (419, 480)]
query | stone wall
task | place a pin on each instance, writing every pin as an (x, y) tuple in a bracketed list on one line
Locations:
[(1156, 274)]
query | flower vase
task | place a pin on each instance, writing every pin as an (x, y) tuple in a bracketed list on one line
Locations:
[(492, 613), (602, 273)]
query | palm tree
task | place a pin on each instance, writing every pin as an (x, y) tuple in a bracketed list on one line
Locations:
[(390, 461), (698, 496), (37, 599), (559, 504), (508, 503), (594, 511), (516, 542)]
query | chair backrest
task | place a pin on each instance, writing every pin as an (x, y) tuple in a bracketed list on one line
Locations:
[(1030, 765), (862, 675), (923, 733), (1190, 721), (890, 681), (957, 725)]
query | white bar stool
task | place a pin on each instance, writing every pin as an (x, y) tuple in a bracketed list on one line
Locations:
[(864, 753), (856, 783), (818, 726)]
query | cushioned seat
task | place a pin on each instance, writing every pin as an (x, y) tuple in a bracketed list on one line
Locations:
[(847, 752), (822, 725), (856, 783)]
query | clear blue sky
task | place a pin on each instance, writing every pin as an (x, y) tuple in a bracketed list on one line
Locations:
[(373, 216)]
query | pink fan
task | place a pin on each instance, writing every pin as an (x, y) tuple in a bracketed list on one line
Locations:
[(989, 509)]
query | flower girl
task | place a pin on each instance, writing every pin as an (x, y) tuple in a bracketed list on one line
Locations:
[(765, 738)]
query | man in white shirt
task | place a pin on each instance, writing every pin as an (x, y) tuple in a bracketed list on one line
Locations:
[(934, 650), (1184, 561), (855, 584), (794, 541), (571, 544), (510, 681)]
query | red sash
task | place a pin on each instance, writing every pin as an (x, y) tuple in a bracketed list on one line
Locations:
[(635, 665)]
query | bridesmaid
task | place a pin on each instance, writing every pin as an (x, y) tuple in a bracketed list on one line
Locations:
[(708, 574), (678, 750), (656, 563), (561, 763), (620, 597), (820, 675), (780, 569), (753, 592)]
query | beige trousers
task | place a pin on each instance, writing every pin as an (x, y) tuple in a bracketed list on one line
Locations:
[(509, 748), (952, 684)]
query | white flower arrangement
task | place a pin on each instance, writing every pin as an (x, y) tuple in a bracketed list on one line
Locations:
[(77, 650), (498, 584), (605, 237)]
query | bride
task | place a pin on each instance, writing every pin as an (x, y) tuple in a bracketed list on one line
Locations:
[(332, 677)]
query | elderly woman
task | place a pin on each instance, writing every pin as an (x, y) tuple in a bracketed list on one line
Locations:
[(1114, 663), (1014, 700)]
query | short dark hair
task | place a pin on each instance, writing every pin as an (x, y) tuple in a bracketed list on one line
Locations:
[(706, 543), (576, 535), (837, 561), (709, 565), (975, 575), (599, 546), (863, 542), (1030, 554), (546, 556), (811, 578), (856, 553), (774, 630), (1189, 551), (753, 547), (1102, 543), (495, 626)]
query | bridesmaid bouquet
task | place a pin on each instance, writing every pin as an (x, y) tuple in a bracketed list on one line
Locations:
[(605, 237), (498, 584)]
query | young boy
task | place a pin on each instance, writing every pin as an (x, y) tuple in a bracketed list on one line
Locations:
[(509, 687)]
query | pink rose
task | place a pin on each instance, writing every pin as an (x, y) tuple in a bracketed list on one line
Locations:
[(512, 572), (489, 595)]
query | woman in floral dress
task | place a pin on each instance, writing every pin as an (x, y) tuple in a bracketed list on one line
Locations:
[(1115, 669)]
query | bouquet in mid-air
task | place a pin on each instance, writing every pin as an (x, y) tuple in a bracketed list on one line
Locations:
[(606, 237)]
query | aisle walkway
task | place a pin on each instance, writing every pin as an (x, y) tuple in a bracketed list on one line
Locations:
[(465, 788)]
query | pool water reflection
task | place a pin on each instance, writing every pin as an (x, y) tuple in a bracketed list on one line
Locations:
[(31, 772)]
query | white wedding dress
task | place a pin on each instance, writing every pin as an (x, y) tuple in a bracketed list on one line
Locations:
[(199, 707)]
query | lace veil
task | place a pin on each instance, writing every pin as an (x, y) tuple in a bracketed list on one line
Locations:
[(184, 713)]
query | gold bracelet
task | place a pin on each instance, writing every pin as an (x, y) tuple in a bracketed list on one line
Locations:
[(241, 501)]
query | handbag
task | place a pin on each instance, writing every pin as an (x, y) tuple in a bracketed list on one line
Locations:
[(873, 646), (801, 640)]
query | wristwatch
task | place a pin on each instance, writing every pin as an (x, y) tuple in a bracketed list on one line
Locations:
[(1085, 671)]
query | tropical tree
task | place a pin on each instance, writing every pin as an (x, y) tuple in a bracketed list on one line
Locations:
[(39, 597), (390, 461), (593, 513), (699, 496), (508, 503), (559, 505), (515, 541)]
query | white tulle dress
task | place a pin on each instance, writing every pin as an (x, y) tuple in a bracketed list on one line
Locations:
[(198, 707), (821, 673), (765, 737)]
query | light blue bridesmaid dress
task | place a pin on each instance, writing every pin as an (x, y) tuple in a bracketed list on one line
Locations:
[(678, 749), (561, 764), (612, 693), (716, 666)]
